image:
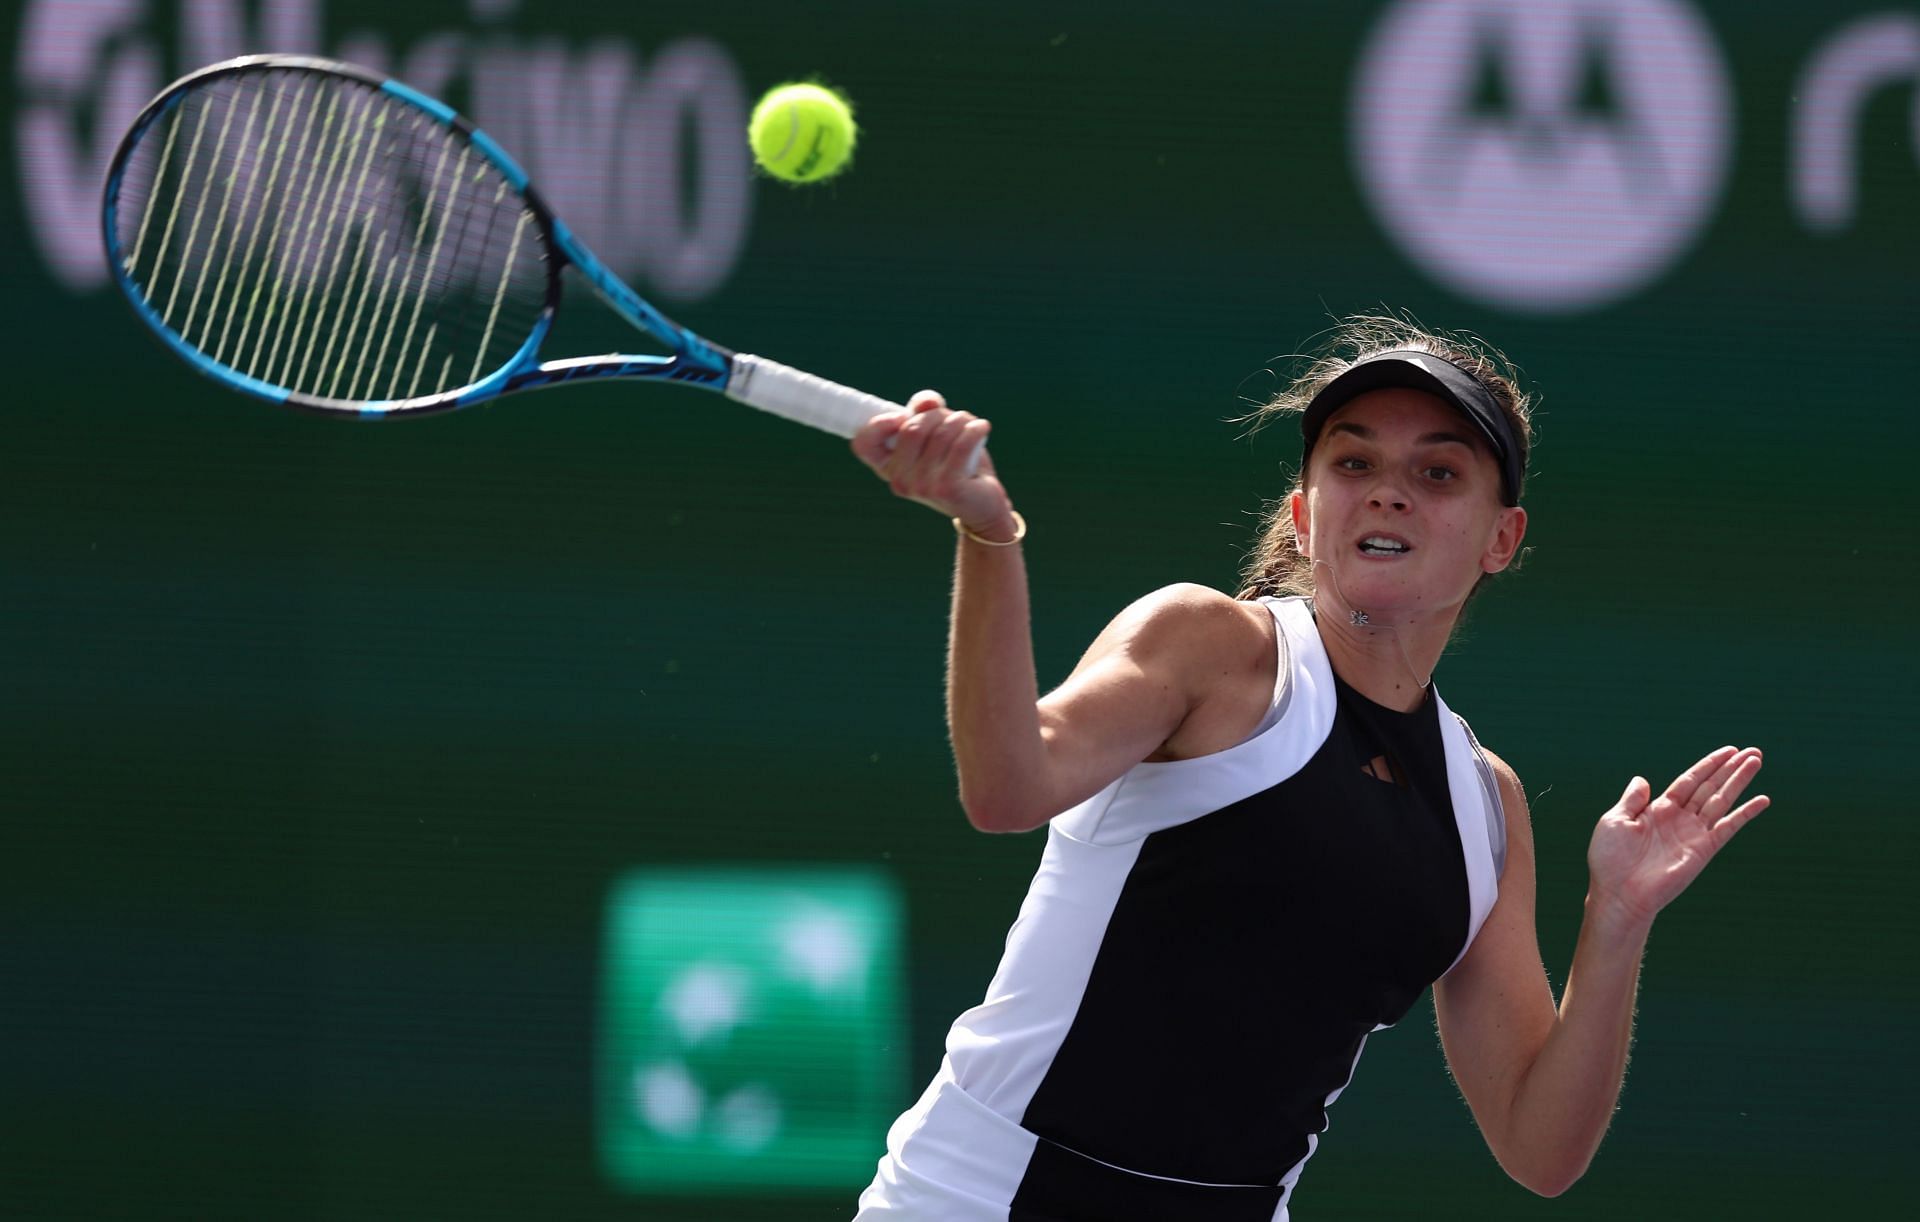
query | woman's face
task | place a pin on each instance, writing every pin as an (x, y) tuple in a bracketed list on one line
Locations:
[(1401, 514)]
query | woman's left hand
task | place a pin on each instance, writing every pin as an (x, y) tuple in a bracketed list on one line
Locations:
[(1646, 849)]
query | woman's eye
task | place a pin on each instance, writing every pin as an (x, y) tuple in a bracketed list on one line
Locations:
[(1442, 474), (1350, 464)]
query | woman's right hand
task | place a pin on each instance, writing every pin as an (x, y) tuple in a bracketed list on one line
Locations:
[(923, 456)]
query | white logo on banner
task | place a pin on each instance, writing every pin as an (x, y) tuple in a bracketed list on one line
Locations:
[(1542, 155), (1871, 54), (612, 142)]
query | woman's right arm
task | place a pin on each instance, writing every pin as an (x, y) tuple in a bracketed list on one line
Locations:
[(1021, 759)]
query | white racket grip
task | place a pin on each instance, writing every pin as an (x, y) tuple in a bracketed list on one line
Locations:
[(807, 399), (785, 391)]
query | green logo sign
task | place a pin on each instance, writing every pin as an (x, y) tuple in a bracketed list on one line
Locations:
[(751, 1028)]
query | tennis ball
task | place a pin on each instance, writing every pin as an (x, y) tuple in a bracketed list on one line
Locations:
[(802, 133)]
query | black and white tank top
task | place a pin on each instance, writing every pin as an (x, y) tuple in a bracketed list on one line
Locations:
[(1198, 963)]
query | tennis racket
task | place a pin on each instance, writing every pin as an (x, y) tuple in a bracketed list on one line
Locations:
[(326, 238)]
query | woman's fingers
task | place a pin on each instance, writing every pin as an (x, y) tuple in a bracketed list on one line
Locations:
[(1634, 800), (1711, 788), (1714, 781), (1688, 783), (938, 455), (1740, 816), (1729, 783), (873, 444), (975, 440), (924, 452), (907, 440), (879, 437), (932, 454)]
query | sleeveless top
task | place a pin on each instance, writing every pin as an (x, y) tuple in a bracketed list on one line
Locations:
[(1200, 958)]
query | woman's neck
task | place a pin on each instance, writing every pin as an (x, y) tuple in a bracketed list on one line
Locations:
[(1390, 665)]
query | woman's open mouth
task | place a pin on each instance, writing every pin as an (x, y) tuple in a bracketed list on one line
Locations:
[(1384, 545)]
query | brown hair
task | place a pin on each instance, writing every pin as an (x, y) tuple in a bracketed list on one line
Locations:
[(1275, 566)]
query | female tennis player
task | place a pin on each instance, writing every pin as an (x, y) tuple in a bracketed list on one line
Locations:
[(1267, 834)]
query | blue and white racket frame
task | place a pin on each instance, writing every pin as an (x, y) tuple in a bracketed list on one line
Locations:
[(752, 380)]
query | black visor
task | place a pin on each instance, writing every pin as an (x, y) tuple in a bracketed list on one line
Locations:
[(1413, 370)]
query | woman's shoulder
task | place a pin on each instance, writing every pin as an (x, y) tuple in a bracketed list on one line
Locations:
[(1512, 793), (1220, 650), (1198, 632), (1188, 610)]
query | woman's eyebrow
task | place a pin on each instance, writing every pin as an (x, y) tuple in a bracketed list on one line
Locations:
[(1456, 438)]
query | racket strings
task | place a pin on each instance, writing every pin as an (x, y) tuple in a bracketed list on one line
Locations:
[(314, 233)]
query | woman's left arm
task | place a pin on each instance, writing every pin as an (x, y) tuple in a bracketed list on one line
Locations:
[(1543, 1082)]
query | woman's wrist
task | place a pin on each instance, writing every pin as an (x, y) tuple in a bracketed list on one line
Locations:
[(1616, 919), (1002, 530)]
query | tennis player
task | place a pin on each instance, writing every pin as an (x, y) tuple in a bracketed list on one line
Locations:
[(1267, 833)]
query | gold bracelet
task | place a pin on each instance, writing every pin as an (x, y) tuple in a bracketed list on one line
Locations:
[(1019, 531)]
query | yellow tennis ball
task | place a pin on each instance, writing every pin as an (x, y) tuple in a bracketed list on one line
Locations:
[(802, 133)]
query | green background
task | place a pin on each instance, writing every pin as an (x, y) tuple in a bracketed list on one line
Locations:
[(323, 744)]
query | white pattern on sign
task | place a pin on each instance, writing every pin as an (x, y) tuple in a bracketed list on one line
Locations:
[(668, 1099), (707, 999), (822, 947), (1873, 54), (643, 156), (1546, 156), (748, 1118)]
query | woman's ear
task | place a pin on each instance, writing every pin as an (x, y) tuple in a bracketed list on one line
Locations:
[(1297, 506), (1508, 530)]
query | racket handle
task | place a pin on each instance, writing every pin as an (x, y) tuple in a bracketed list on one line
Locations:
[(807, 399)]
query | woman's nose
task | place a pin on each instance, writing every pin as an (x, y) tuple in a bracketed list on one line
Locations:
[(1387, 495)]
